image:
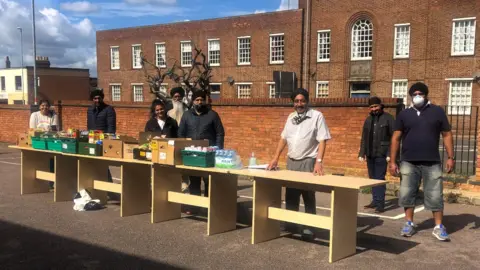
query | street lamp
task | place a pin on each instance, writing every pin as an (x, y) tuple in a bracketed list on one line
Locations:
[(21, 49), (34, 55)]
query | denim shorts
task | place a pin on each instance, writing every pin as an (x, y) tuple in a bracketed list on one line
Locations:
[(412, 175)]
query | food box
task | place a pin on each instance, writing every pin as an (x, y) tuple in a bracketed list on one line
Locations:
[(198, 159), (169, 151), (23, 140), (142, 154), (115, 147)]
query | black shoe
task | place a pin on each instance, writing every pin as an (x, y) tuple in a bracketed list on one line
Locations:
[(308, 235), (379, 210), (370, 205)]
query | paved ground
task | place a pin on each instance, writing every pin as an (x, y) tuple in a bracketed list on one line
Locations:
[(36, 233)]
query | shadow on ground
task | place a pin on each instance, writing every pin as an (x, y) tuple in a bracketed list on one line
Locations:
[(25, 248), (453, 223)]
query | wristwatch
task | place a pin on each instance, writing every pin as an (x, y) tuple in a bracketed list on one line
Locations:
[(452, 158), (319, 160)]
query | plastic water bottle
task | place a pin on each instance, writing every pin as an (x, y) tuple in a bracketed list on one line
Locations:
[(253, 160)]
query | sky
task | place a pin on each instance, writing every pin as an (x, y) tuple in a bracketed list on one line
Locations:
[(65, 30)]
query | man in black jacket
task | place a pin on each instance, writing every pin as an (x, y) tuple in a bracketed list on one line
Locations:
[(101, 116), (375, 148), (201, 123)]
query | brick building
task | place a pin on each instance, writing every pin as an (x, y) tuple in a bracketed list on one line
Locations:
[(348, 48), (54, 83)]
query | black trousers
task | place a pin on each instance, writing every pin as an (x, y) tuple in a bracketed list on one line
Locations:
[(292, 195), (196, 184)]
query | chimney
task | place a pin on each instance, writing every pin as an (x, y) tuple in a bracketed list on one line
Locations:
[(7, 62), (42, 62)]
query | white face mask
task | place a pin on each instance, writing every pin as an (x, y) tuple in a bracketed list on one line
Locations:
[(418, 100)]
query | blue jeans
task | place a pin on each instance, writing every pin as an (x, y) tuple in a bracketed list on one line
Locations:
[(412, 175), (377, 169)]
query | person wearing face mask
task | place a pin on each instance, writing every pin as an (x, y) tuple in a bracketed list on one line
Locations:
[(375, 149), (306, 134), (418, 128), (201, 123), (160, 121)]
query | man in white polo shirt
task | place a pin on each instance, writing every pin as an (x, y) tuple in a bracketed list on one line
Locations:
[(306, 134)]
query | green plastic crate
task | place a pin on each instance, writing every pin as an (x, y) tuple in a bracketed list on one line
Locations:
[(39, 143), (70, 146), (198, 159), (90, 149), (54, 145)]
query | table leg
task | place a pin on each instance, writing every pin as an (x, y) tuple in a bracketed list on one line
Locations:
[(88, 171), (65, 178), (266, 193), (31, 162), (136, 194), (222, 209), (165, 179), (343, 234)]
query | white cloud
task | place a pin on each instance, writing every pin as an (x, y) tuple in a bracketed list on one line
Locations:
[(129, 10), (288, 4), (67, 43), (260, 11), (80, 6)]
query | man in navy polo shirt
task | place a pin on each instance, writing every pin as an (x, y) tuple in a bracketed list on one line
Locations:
[(419, 128)]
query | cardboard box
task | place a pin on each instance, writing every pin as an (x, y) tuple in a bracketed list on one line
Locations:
[(142, 154), (115, 147), (24, 140), (128, 150), (169, 151), (146, 137)]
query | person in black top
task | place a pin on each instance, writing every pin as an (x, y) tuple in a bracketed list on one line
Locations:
[(419, 128), (375, 148), (160, 121), (201, 123), (101, 116)]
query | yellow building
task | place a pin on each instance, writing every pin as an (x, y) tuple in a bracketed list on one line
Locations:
[(13, 86)]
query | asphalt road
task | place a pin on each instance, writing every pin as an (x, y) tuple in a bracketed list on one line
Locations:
[(36, 233)]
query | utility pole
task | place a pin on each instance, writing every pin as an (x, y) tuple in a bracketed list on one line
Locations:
[(34, 55), (21, 49)]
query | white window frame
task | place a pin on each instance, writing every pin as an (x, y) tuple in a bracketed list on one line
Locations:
[(134, 63), (217, 92), (242, 84), (474, 19), (451, 109), (112, 93), (353, 57), (112, 67), (239, 57), (219, 52), (181, 53), (134, 94), (397, 26), (320, 60), (405, 99), (271, 94), (164, 54), (318, 83), (276, 62)]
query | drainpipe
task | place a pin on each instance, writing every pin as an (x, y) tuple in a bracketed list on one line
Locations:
[(306, 45)]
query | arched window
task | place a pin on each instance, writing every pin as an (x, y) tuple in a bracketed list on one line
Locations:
[(362, 40)]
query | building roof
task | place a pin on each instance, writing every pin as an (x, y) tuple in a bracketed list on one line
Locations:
[(57, 68)]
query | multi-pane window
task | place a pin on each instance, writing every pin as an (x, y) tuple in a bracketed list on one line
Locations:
[(2, 83), (186, 53), (277, 49), (271, 89), (114, 57), (463, 36), (244, 90), (116, 93), (18, 83), (362, 40), (323, 51), (136, 57), (214, 52), (215, 89), (460, 97), (400, 90), (322, 89), (402, 41), (164, 88), (138, 93), (244, 51), (161, 54)]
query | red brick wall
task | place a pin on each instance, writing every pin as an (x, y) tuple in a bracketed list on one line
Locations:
[(258, 27), (14, 119)]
